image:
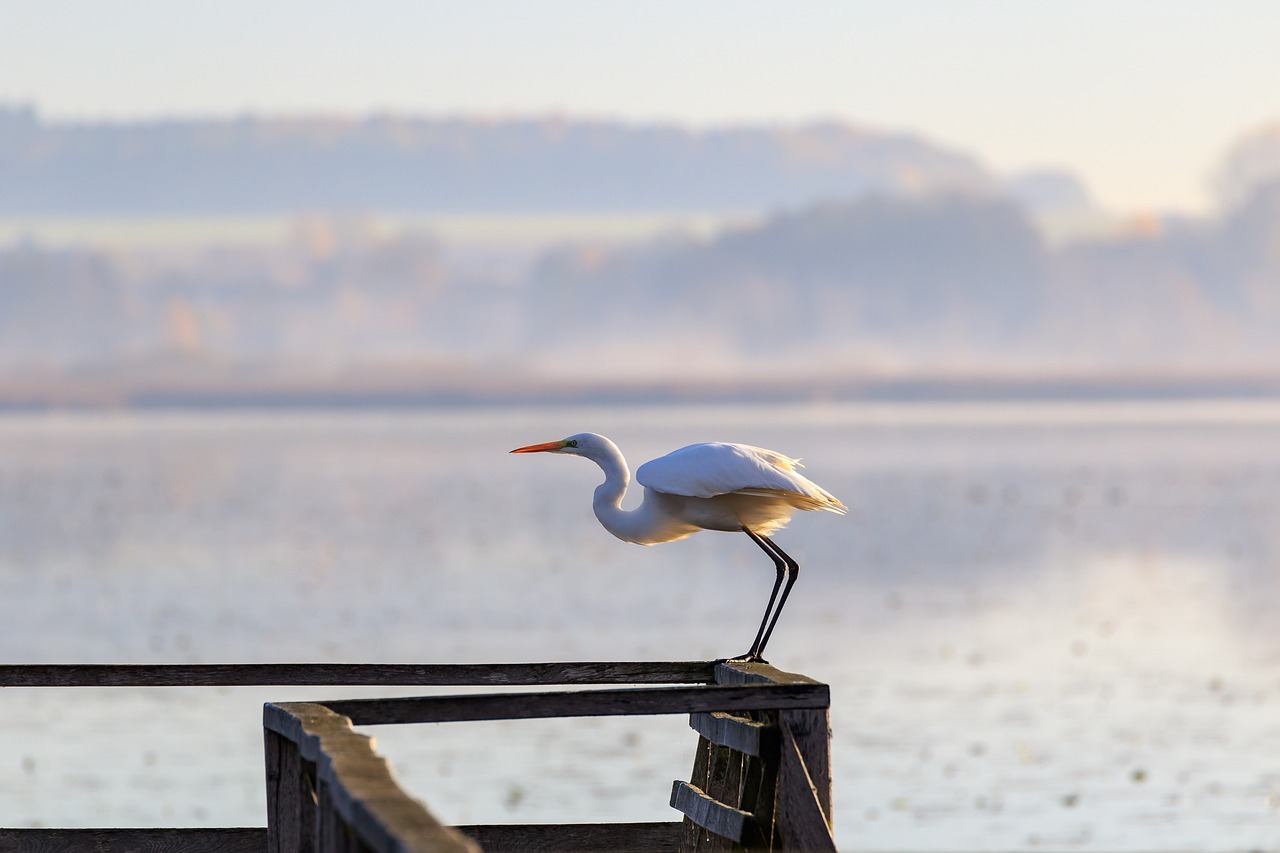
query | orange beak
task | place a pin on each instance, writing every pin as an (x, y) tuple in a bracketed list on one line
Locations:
[(539, 448)]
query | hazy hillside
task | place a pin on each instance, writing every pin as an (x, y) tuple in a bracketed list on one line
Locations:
[(918, 279), (849, 285), (931, 285), (846, 292), (412, 164)]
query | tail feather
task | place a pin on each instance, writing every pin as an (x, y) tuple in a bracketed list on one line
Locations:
[(824, 500)]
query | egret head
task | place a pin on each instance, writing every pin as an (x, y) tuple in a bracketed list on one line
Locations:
[(583, 444)]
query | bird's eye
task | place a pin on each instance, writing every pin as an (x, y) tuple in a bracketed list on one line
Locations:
[(573, 442)]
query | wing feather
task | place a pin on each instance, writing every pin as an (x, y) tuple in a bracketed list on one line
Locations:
[(720, 468)]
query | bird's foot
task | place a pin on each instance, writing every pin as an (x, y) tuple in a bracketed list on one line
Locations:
[(749, 657)]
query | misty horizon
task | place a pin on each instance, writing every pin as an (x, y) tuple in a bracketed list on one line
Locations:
[(820, 258)]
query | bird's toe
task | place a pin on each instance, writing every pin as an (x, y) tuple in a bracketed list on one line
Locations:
[(747, 658)]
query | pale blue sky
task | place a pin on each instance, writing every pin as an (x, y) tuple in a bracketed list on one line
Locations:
[(1139, 97)]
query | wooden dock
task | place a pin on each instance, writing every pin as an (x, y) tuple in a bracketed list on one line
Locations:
[(760, 780)]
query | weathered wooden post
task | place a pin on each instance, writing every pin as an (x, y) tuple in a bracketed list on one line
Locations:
[(802, 819), (291, 795), (761, 779), (341, 796)]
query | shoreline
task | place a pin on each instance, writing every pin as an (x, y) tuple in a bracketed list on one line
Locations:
[(85, 395)]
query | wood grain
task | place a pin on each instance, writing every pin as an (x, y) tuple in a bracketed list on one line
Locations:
[(357, 796), (800, 822), (724, 785), (352, 674), (739, 733), (290, 795), (760, 783), (692, 835), (231, 840), (810, 730), (741, 672), (587, 837), (710, 814), (581, 703)]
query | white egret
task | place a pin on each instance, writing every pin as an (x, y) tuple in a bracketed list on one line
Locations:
[(712, 486)]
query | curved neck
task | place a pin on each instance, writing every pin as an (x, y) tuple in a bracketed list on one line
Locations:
[(607, 502)]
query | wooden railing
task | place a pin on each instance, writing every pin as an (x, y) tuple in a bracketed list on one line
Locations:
[(761, 780), (327, 790), (761, 774)]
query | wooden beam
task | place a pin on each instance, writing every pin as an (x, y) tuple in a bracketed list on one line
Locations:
[(581, 703), (712, 815), (800, 822), (741, 672), (737, 733), (810, 730), (355, 787), (760, 789), (691, 834), (353, 674), (724, 782), (290, 795), (587, 837), (231, 840)]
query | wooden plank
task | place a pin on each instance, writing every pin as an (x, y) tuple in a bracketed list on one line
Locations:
[(229, 840), (581, 703), (290, 798), (740, 672), (724, 786), (800, 822), (710, 814), (417, 675), (691, 833), (661, 837), (738, 733), (750, 801), (760, 783), (331, 831), (724, 783), (358, 789), (810, 730), (701, 763)]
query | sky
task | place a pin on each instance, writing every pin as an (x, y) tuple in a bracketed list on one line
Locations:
[(1139, 98)]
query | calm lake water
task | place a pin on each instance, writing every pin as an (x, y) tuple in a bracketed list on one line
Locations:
[(1045, 626)]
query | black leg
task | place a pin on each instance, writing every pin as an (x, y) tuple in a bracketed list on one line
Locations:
[(792, 576), (782, 562)]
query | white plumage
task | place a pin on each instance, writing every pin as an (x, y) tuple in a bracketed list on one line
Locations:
[(711, 486), (719, 468)]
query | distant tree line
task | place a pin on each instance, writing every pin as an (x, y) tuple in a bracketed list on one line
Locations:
[(410, 164), (876, 284)]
